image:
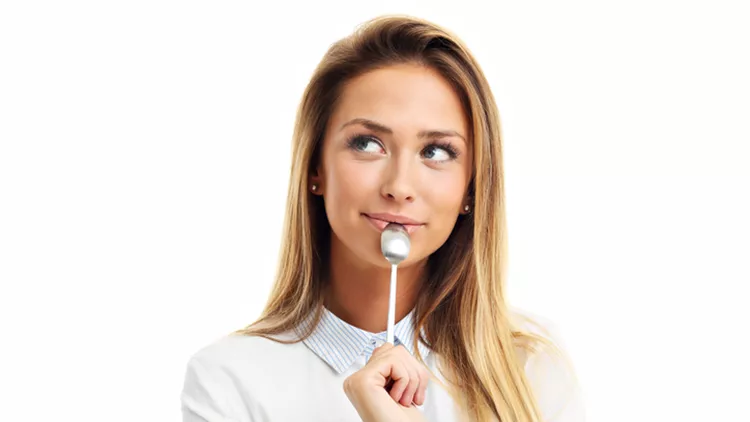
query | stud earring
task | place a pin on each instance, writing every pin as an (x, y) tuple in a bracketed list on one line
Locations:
[(466, 208), (314, 187)]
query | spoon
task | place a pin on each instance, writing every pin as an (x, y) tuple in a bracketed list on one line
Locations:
[(395, 244)]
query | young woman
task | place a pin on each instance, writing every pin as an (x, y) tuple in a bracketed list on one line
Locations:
[(398, 124)]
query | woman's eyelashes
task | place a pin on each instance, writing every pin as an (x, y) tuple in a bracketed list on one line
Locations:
[(365, 144), (440, 151), (437, 151)]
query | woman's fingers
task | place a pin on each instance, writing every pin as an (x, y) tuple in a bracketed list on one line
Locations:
[(400, 377), (407, 397), (409, 378), (415, 380), (424, 379), (381, 349), (386, 387)]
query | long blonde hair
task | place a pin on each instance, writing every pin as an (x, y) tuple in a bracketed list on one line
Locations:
[(462, 307)]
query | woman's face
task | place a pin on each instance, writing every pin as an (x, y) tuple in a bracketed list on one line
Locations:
[(396, 148)]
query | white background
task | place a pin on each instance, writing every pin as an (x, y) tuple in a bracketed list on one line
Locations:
[(144, 157)]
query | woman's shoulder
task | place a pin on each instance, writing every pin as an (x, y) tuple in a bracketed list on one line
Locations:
[(241, 349), (548, 367), (224, 378), (526, 321)]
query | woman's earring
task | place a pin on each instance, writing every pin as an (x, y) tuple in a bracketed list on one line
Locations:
[(314, 187), (467, 208)]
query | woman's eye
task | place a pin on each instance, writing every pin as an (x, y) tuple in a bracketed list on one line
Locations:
[(437, 153), (365, 144)]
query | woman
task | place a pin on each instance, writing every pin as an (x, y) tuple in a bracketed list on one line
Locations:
[(398, 124)]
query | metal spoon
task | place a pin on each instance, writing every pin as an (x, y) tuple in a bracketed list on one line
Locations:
[(395, 244)]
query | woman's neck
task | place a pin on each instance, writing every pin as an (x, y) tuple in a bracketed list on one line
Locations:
[(358, 291)]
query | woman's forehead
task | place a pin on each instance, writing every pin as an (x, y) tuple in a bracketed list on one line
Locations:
[(404, 98)]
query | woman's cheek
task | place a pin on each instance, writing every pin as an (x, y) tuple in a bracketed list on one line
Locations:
[(359, 178), (444, 191)]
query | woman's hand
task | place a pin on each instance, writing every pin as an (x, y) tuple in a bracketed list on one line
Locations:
[(387, 388)]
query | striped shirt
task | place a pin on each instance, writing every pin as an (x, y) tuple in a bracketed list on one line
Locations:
[(339, 344)]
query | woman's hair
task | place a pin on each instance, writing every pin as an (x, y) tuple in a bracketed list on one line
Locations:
[(462, 307)]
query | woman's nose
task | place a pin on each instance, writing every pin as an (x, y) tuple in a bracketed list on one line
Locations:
[(398, 182)]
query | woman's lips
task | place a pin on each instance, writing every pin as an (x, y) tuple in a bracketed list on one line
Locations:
[(381, 224)]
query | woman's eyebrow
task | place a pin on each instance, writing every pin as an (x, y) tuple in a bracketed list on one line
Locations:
[(381, 128)]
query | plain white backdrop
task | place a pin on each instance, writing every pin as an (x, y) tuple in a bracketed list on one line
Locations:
[(144, 158)]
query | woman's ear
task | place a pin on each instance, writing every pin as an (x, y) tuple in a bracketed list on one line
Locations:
[(315, 183), (467, 206)]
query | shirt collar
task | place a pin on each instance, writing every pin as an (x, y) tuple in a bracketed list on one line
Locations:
[(339, 343)]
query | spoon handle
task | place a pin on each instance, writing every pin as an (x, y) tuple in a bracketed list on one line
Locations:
[(391, 305)]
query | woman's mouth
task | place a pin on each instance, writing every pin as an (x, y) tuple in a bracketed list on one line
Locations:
[(380, 221)]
